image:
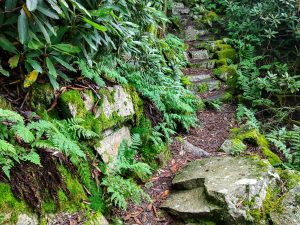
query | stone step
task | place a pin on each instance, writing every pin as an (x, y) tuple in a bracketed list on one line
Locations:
[(206, 85), (203, 64), (199, 54), (180, 9), (229, 182), (193, 34), (190, 204), (199, 78)]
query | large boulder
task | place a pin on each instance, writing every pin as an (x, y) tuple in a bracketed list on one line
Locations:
[(230, 184), (100, 110), (288, 212), (108, 148)]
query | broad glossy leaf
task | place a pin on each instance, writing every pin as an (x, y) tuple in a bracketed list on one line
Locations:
[(31, 5), (43, 29), (80, 7), (56, 7), (95, 25), (7, 45), (10, 4), (22, 27), (65, 64), (13, 61), (35, 65), (48, 12), (3, 71), (30, 78), (53, 82), (51, 68), (67, 48)]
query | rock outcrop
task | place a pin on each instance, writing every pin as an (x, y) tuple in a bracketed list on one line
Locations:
[(288, 212), (228, 187)]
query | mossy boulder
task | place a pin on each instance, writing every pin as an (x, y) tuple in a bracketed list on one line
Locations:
[(255, 137), (42, 96), (108, 107), (233, 146), (290, 209), (225, 72)]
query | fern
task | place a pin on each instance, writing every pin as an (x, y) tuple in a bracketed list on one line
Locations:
[(288, 142), (248, 116), (22, 132), (120, 190), (90, 73)]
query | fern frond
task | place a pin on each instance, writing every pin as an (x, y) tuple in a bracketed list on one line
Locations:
[(23, 133)]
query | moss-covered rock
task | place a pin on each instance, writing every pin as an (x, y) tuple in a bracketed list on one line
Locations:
[(255, 137), (225, 72)]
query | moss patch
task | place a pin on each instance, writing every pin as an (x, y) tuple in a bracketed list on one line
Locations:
[(72, 99), (225, 72), (202, 88), (10, 204), (255, 137), (137, 103)]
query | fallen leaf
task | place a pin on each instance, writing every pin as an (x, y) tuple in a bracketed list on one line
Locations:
[(165, 193), (30, 78)]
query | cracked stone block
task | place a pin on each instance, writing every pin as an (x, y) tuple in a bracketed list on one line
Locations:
[(228, 183), (108, 148), (199, 55)]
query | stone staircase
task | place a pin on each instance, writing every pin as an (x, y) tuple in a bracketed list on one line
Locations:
[(200, 59)]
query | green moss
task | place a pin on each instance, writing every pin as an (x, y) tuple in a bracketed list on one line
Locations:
[(42, 94), (221, 62), (225, 72), (227, 54), (74, 99), (272, 202), (137, 103), (254, 136), (210, 17), (202, 88), (291, 178), (10, 204), (186, 81), (4, 104)]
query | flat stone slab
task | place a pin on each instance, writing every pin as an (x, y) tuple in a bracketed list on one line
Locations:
[(199, 78), (190, 203), (206, 64), (230, 181), (289, 212), (199, 54)]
